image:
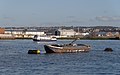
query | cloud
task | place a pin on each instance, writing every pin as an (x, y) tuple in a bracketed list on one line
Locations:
[(71, 17), (74, 21), (7, 18), (108, 18)]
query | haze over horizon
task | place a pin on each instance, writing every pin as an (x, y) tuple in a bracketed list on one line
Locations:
[(17, 13)]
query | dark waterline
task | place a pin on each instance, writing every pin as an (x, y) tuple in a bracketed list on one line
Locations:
[(14, 59)]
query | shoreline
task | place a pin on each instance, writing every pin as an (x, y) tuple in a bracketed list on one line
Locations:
[(66, 38)]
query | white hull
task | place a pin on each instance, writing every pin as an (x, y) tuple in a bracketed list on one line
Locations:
[(44, 38)]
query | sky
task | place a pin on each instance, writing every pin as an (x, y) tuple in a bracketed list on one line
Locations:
[(17, 13)]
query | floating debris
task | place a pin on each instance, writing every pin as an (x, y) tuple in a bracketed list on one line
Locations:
[(34, 52), (108, 49)]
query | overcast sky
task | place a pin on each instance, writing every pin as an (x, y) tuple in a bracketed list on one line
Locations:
[(59, 12)]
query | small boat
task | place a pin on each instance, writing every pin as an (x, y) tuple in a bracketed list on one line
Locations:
[(44, 38), (66, 48)]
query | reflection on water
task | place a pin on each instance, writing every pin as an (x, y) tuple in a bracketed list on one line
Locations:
[(14, 59)]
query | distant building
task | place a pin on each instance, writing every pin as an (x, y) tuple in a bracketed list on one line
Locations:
[(83, 33), (107, 34), (65, 32), (6, 36), (2, 30), (27, 33), (100, 34)]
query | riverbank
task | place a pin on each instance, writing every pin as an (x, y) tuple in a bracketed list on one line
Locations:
[(71, 38), (66, 38)]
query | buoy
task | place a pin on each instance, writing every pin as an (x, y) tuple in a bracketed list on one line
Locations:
[(34, 52), (108, 49)]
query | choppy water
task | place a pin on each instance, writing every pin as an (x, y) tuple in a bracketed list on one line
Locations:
[(14, 59)]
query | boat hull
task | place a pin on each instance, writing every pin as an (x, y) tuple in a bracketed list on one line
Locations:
[(43, 40), (66, 49)]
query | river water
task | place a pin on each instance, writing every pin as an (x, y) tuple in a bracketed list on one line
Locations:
[(14, 59)]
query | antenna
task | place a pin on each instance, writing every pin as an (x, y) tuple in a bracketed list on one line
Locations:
[(73, 41)]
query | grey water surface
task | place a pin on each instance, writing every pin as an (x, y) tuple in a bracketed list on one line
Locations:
[(14, 59)]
